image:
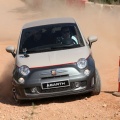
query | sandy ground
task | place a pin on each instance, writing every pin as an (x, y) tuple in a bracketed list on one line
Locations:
[(93, 20)]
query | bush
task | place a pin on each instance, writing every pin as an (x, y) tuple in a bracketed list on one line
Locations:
[(106, 1)]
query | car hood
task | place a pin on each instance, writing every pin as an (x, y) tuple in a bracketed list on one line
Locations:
[(53, 57)]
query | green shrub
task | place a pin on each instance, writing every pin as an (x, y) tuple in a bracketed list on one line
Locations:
[(106, 1)]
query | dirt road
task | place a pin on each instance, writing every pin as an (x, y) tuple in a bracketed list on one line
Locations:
[(100, 21)]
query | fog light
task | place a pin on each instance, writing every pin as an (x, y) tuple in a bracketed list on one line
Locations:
[(21, 80), (77, 84), (34, 90), (87, 72), (93, 82)]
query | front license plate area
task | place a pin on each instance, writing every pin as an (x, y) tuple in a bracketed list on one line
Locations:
[(57, 84)]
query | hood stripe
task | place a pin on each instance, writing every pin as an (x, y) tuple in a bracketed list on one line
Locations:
[(54, 65)]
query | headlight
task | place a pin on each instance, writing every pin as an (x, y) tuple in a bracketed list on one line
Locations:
[(24, 70), (82, 63)]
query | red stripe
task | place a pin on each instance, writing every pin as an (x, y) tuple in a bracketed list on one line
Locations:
[(57, 64), (54, 65), (89, 56)]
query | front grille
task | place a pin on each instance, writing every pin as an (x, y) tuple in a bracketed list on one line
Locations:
[(83, 83), (40, 90), (59, 89), (53, 77)]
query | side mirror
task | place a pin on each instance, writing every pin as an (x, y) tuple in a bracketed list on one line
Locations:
[(11, 50), (92, 39)]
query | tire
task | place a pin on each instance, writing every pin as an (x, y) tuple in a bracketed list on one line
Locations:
[(15, 98), (97, 88)]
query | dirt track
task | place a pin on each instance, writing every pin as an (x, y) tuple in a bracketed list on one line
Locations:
[(103, 22)]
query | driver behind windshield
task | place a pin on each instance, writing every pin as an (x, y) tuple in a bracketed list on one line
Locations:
[(67, 38)]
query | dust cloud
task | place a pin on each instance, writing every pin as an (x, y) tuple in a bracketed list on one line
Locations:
[(93, 19), (6, 82)]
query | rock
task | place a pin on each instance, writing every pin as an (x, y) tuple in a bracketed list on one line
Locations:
[(85, 116), (104, 105)]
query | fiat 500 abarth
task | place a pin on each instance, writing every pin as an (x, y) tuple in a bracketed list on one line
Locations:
[(53, 59)]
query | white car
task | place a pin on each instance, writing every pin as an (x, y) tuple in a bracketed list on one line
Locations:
[(49, 64)]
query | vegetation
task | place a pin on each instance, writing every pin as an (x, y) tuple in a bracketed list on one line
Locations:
[(113, 2)]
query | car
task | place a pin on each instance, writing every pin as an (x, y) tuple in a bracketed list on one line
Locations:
[(55, 66)]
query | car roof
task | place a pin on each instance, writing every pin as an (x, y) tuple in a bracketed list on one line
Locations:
[(48, 21)]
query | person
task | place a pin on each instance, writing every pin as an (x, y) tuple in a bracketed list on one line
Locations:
[(67, 37), (33, 40)]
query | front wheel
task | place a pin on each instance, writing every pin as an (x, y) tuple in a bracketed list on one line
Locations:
[(15, 98), (97, 88)]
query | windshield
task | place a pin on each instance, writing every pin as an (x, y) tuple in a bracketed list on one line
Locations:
[(50, 38)]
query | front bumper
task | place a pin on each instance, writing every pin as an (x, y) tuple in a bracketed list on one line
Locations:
[(77, 85)]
